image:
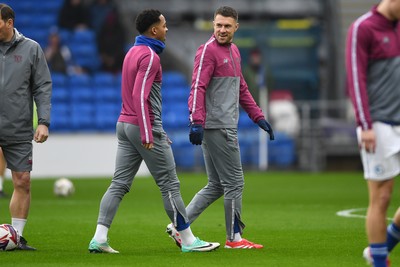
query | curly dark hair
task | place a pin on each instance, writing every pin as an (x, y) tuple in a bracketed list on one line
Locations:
[(227, 11), (146, 18)]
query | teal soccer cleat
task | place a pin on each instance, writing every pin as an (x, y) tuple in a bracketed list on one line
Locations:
[(95, 247), (200, 246)]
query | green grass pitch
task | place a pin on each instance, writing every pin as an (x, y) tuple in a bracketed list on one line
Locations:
[(292, 214)]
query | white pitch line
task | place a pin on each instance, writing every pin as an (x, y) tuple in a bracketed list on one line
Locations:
[(349, 213)]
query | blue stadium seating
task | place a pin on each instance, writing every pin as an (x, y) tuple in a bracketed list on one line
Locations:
[(175, 115), (83, 117), (60, 117), (59, 79), (85, 55), (82, 94), (45, 20), (107, 116), (80, 80), (281, 151), (244, 120), (110, 94), (174, 78), (83, 36), (173, 94), (184, 152), (60, 94), (104, 79), (48, 7)]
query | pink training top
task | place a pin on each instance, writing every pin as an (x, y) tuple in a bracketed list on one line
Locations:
[(218, 87), (373, 69), (141, 90)]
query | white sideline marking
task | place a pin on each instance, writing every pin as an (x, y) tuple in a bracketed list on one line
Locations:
[(348, 213)]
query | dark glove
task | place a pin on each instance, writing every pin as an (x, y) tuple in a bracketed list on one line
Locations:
[(266, 127), (196, 134)]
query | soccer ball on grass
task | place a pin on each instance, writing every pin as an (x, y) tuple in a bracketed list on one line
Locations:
[(9, 237), (63, 187)]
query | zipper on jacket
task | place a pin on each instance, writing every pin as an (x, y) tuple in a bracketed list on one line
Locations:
[(233, 61), (3, 63)]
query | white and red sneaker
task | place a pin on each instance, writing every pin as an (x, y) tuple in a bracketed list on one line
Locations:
[(244, 244), (174, 234)]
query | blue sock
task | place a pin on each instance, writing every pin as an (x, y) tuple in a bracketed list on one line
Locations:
[(236, 228), (379, 253), (182, 225), (393, 236)]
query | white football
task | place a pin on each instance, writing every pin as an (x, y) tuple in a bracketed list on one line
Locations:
[(9, 237), (63, 187)]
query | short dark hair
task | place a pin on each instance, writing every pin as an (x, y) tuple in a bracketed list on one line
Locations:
[(6, 12), (146, 18), (227, 11)]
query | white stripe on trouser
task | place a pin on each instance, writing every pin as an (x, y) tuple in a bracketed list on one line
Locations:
[(173, 208), (233, 220)]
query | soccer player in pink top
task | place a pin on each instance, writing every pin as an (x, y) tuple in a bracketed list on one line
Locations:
[(373, 81), (141, 137), (218, 87)]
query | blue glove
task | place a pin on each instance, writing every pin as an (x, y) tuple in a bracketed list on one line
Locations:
[(196, 134), (266, 127)]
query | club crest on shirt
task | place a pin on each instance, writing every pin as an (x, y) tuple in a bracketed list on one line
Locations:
[(385, 40), (379, 170), (17, 58)]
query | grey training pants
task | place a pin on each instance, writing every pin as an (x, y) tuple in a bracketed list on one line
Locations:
[(161, 164), (225, 177)]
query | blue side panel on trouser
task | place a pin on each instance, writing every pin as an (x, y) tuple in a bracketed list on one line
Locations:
[(225, 177), (161, 164)]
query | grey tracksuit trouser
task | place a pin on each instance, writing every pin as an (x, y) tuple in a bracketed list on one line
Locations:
[(225, 177), (161, 164)]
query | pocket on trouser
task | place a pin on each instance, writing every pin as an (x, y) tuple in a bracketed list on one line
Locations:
[(232, 139)]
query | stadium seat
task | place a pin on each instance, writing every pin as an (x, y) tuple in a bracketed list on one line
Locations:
[(110, 94), (83, 117), (248, 142), (45, 20), (175, 115), (244, 121), (107, 116), (281, 151), (85, 55), (174, 78), (174, 94), (59, 79), (23, 21), (37, 34), (184, 151), (103, 79), (21, 6), (60, 117), (83, 36), (82, 94), (65, 35), (60, 94), (80, 80), (48, 7)]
